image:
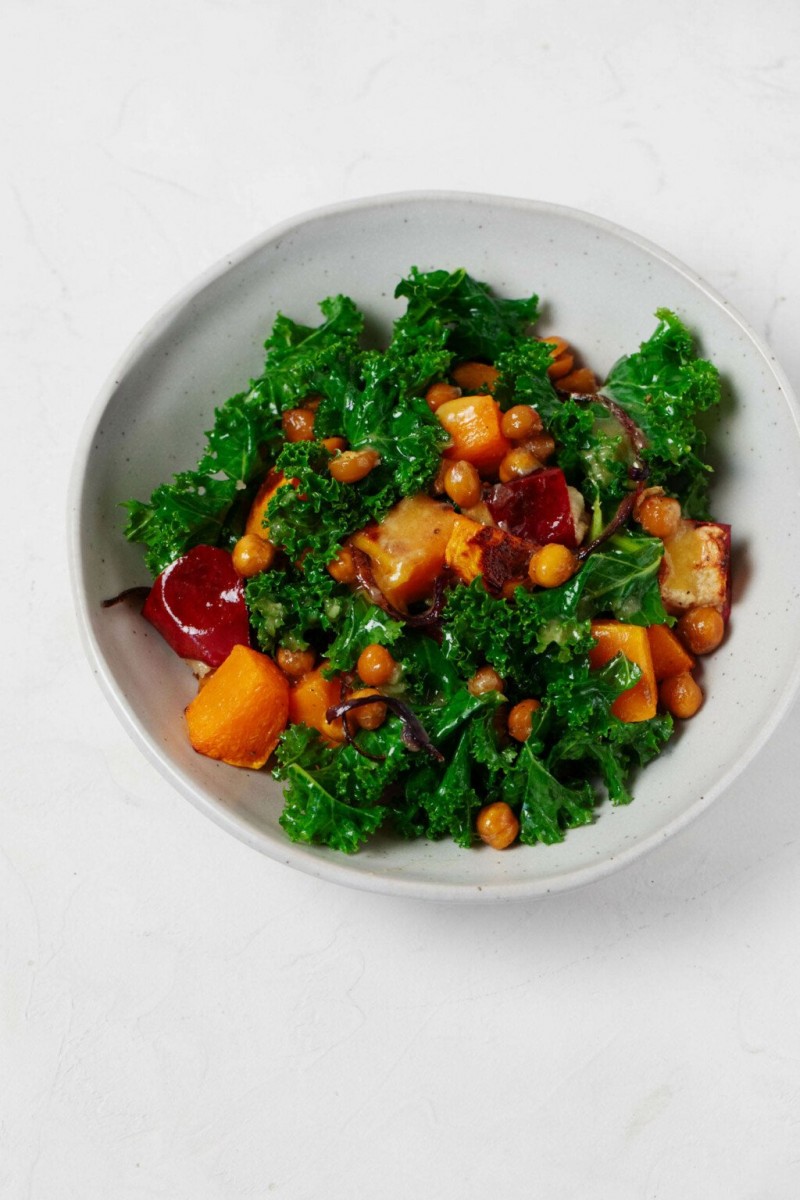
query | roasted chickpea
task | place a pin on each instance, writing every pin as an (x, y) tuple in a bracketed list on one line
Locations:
[(295, 663), (334, 444), (562, 364), (437, 487), (519, 422), (375, 665), (681, 695), (439, 393), (368, 716), (353, 465), (497, 825), (558, 345), (298, 425), (542, 445), (701, 629), (462, 483), (659, 516), (485, 680), (552, 565), (520, 719), (252, 554), (475, 376), (343, 567), (518, 462)]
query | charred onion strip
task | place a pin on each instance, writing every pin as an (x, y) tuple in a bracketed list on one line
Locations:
[(138, 593), (617, 521), (366, 580), (414, 734), (638, 471), (346, 730)]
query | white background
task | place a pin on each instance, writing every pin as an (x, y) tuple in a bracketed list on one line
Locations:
[(179, 1017)]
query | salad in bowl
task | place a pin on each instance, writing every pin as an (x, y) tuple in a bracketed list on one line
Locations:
[(453, 586)]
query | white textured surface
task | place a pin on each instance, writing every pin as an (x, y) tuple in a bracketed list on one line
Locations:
[(180, 1017)]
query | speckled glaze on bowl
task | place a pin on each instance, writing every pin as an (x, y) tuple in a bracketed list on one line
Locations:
[(600, 286)]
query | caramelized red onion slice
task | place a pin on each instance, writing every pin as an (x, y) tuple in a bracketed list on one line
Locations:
[(415, 737), (617, 521)]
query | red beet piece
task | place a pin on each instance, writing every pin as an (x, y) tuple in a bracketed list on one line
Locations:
[(535, 507), (197, 605)]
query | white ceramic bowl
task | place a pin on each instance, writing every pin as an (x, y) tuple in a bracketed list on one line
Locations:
[(600, 287)]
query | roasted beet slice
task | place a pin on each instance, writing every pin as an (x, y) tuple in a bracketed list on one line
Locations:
[(197, 605), (536, 507)]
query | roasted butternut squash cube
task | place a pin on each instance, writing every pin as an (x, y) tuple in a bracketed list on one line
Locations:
[(614, 637), (474, 549), (473, 423), (475, 376), (241, 710), (258, 510), (670, 656), (407, 548), (310, 699)]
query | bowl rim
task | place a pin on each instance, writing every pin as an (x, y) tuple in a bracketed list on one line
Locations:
[(335, 868)]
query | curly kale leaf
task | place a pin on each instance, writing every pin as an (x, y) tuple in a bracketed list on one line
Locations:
[(664, 387), (291, 607), (302, 361), (312, 814), (479, 324), (318, 512), (523, 376), (209, 504), (446, 803), (623, 748), (546, 807), (621, 580), (360, 624)]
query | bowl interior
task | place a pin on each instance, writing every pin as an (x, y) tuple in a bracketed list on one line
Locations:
[(599, 287)]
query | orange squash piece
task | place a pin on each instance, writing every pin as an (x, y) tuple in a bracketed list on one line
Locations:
[(500, 557), (670, 656), (475, 376), (473, 423), (614, 637), (258, 509), (310, 699), (241, 710), (407, 548)]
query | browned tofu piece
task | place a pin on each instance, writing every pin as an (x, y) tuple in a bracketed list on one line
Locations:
[(696, 568)]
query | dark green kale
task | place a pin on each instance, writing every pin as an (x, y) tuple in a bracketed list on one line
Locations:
[(479, 325), (664, 387), (538, 641), (624, 748), (359, 625), (292, 607), (545, 807), (209, 504)]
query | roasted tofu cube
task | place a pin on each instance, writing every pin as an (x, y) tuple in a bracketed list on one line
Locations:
[(695, 570)]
